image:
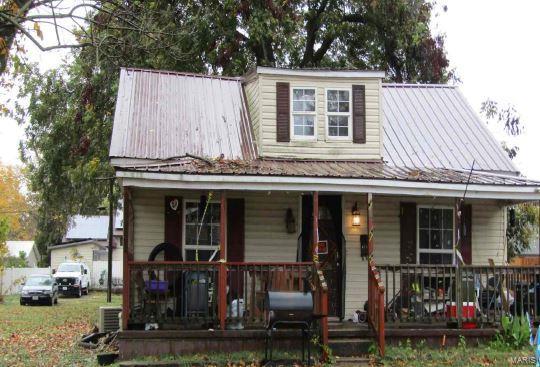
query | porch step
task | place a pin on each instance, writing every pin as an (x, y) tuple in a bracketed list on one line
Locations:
[(350, 347), (352, 361)]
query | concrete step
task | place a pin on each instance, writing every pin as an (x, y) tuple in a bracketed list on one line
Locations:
[(349, 332), (352, 361), (350, 347)]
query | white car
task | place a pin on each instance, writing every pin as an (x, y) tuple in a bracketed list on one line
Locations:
[(72, 278)]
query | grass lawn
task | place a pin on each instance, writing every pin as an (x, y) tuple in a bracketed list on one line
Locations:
[(48, 336), (460, 356)]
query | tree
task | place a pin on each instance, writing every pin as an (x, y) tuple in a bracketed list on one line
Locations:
[(70, 110), (508, 117), (73, 21), (16, 261), (523, 221), (14, 205)]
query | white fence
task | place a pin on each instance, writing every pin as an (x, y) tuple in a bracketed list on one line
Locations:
[(98, 275), (12, 278)]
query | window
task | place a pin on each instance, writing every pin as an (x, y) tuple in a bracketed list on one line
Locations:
[(435, 235), (338, 113), (206, 229), (303, 113)]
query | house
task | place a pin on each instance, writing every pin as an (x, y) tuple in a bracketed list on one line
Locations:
[(86, 241), (284, 179), (30, 250)]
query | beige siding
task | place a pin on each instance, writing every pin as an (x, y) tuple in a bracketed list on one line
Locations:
[(488, 238), (61, 255), (322, 148), (267, 240), (254, 105), (265, 235)]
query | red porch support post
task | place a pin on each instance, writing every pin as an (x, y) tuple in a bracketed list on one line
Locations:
[(128, 256), (324, 292), (315, 234), (222, 286), (370, 224), (369, 212)]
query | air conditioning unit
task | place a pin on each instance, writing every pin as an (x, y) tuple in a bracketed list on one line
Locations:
[(108, 319)]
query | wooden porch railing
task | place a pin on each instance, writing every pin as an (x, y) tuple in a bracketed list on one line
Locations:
[(468, 296), (211, 294), (247, 284), (376, 309)]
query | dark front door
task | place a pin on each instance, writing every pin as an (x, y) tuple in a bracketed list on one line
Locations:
[(330, 237)]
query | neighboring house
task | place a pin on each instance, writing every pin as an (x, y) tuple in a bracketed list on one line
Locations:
[(283, 165), (86, 241), (531, 256), (29, 248)]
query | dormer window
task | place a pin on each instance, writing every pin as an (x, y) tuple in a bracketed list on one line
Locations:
[(338, 114), (303, 113)]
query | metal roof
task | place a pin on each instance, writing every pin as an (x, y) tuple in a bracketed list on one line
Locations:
[(14, 247), (161, 114), (433, 126), (92, 227), (328, 168)]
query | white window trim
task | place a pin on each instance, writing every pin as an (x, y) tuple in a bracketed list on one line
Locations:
[(328, 114), (192, 247), (441, 251), (292, 113)]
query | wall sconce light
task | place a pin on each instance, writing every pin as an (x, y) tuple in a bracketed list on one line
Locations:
[(290, 223), (355, 215)]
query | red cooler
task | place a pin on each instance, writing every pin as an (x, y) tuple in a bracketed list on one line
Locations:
[(467, 311)]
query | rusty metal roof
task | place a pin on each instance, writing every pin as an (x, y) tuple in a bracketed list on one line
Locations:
[(162, 114), (433, 126), (326, 168)]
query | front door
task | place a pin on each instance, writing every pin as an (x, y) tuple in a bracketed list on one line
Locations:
[(330, 248)]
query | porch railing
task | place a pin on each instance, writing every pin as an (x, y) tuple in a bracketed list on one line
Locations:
[(465, 296), (376, 306), (247, 284), (178, 295)]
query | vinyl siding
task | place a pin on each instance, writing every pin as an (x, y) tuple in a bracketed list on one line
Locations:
[(265, 235), (488, 238), (61, 255), (267, 240), (254, 107), (322, 148)]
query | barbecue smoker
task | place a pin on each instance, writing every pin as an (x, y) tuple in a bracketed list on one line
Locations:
[(289, 310)]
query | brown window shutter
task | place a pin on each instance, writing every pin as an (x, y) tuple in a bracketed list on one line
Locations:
[(283, 112), (236, 243), (407, 233), (173, 224), (466, 233), (359, 114)]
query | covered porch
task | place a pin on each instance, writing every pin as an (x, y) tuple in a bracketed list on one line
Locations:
[(348, 241)]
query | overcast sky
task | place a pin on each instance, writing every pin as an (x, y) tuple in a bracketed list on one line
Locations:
[(492, 44)]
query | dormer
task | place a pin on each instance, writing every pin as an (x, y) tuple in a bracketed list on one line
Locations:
[(316, 114)]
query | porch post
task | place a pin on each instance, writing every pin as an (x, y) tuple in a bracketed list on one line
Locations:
[(128, 255), (370, 224), (315, 235), (222, 286), (371, 288)]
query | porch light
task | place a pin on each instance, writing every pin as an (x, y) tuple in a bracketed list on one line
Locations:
[(290, 223), (355, 215)]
